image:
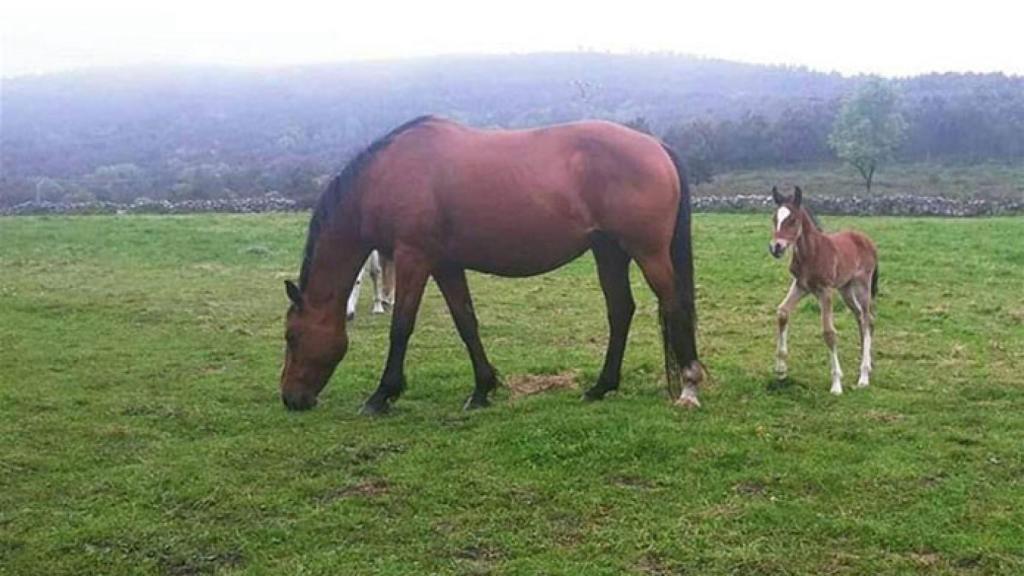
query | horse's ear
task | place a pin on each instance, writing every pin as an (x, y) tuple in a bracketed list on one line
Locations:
[(798, 196), (294, 294), (777, 197)]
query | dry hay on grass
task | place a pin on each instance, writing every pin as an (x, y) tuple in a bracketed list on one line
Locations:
[(530, 384)]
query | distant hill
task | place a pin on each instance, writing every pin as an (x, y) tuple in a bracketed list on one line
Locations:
[(199, 132)]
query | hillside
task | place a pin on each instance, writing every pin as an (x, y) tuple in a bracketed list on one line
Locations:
[(201, 132)]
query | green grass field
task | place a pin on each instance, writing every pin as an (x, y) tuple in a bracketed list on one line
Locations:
[(141, 429)]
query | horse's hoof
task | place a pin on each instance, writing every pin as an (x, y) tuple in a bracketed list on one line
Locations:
[(595, 394), (863, 382), (836, 390), (687, 402), (373, 408), (474, 403)]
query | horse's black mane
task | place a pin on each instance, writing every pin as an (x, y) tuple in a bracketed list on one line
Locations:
[(339, 187)]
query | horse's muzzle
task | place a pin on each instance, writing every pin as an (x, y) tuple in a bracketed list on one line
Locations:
[(298, 403), (776, 249)]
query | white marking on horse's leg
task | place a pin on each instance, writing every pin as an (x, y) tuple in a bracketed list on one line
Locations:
[(691, 376), (784, 312), (353, 297), (378, 283), (837, 373), (829, 334), (865, 362)]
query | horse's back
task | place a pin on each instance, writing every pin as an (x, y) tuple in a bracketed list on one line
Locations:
[(519, 202)]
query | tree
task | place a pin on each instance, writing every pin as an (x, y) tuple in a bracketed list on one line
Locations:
[(869, 128)]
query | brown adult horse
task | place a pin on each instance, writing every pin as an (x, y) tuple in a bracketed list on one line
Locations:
[(441, 198), (845, 261)]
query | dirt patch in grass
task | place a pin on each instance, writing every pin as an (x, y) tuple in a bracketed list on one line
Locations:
[(366, 488), (531, 384)]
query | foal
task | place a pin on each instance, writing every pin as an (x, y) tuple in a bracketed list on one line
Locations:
[(846, 261), (382, 272)]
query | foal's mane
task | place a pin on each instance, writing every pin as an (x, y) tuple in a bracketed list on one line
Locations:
[(339, 187), (813, 218)]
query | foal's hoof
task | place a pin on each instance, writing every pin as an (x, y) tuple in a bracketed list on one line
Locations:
[(475, 403), (375, 408)]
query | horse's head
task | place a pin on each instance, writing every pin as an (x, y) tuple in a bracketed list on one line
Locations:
[(787, 223), (315, 344)]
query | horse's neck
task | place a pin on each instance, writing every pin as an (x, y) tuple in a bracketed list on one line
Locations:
[(337, 260)]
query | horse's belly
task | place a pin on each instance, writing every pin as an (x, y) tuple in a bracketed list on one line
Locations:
[(524, 251)]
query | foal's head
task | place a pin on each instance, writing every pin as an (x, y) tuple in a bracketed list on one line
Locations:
[(316, 342), (787, 222)]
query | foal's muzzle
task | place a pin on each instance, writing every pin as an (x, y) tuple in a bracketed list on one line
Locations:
[(776, 248)]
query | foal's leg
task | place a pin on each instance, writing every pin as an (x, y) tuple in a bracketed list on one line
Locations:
[(378, 285), (786, 308), (452, 283), (678, 329), (860, 294), (413, 273), (353, 297), (829, 333), (613, 270)]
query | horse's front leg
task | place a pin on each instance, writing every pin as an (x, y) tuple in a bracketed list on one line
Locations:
[(452, 282), (828, 332), (786, 309), (412, 278)]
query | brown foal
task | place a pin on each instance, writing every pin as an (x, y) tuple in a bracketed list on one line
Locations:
[(440, 198), (845, 261)]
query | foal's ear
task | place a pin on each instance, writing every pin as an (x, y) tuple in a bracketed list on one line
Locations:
[(798, 195), (293, 292), (779, 198)]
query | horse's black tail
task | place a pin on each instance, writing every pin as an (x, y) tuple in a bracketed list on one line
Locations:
[(680, 331), (874, 282)]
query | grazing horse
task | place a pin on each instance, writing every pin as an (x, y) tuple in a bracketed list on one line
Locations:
[(845, 261), (382, 272), (441, 198)]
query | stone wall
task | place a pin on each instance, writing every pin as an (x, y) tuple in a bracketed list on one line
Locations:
[(271, 202), (890, 205)]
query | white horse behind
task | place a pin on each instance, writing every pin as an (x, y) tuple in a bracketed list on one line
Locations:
[(382, 272)]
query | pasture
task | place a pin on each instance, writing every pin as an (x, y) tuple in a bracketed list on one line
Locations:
[(141, 429)]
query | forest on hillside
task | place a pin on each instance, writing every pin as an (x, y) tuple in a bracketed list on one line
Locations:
[(211, 132)]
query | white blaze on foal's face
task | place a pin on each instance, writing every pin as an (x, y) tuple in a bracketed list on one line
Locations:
[(787, 228), (780, 217)]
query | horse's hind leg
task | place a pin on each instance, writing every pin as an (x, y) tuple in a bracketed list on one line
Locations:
[(828, 331), (452, 283), (414, 270), (858, 298), (678, 328), (613, 270)]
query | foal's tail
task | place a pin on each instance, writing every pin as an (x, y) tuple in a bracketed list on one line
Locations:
[(680, 332), (874, 282)]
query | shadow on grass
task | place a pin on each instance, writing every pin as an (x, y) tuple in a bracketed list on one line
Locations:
[(777, 385)]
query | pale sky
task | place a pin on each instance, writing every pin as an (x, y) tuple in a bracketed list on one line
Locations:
[(884, 37)]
